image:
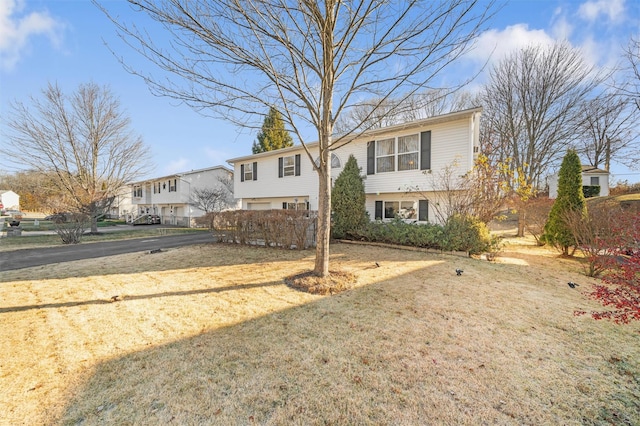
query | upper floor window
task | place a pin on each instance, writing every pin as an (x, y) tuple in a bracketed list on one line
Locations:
[(405, 148), (249, 171), (289, 166), (595, 180), (174, 187), (408, 152), (411, 152), (386, 155), (137, 191), (335, 161)]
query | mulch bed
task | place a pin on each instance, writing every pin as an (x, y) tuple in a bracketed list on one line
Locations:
[(336, 282)]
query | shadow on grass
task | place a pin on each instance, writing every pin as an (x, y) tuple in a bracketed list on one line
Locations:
[(128, 298), (397, 351), (60, 262)]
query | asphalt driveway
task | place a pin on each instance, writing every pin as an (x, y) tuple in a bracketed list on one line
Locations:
[(26, 258)]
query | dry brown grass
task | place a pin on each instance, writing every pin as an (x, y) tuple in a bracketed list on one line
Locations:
[(211, 335)]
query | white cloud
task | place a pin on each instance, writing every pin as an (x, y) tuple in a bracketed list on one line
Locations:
[(178, 165), (613, 10), (218, 158), (16, 29), (561, 28), (494, 45)]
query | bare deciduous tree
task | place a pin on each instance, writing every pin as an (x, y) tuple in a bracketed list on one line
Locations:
[(607, 130), (632, 86), (597, 235), (424, 104), (212, 200), (532, 104), (83, 140), (312, 60), (479, 193)]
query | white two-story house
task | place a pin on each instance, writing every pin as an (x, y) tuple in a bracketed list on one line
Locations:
[(170, 197), (401, 163)]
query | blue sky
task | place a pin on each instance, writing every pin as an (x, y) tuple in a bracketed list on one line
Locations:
[(63, 41)]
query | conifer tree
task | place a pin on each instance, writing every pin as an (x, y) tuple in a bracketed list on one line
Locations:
[(273, 135), (570, 200), (348, 200)]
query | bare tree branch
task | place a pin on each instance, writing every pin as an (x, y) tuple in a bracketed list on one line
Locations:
[(311, 60), (532, 103), (83, 140)]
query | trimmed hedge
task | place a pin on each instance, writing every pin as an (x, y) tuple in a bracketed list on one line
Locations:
[(271, 228), (591, 191), (460, 233)]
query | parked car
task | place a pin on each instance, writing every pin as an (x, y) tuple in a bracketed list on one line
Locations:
[(17, 214), (58, 217), (149, 219)]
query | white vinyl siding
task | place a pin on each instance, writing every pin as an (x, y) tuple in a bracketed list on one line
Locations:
[(396, 160)]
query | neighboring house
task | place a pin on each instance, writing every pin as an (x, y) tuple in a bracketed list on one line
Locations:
[(591, 176), (9, 200), (121, 205), (170, 196), (394, 159)]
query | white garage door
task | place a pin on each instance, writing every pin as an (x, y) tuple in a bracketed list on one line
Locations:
[(258, 206)]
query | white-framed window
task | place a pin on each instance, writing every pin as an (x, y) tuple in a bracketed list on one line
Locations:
[(408, 152), (410, 210), (402, 209), (248, 171), (335, 161), (288, 165), (137, 191), (295, 206), (402, 153), (385, 155), (595, 180)]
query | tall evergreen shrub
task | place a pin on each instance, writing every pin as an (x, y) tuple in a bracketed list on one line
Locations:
[(348, 201), (570, 199), (273, 134)]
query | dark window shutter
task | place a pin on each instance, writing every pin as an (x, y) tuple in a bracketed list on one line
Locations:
[(425, 150), (284, 205), (241, 172), (280, 167), (371, 158), (378, 215), (255, 170), (297, 160), (423, 210)]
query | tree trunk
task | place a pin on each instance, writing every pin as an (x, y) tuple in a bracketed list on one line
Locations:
[(325, 132), (522, 217), (607, 157), (94, 224), (323, 234)]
